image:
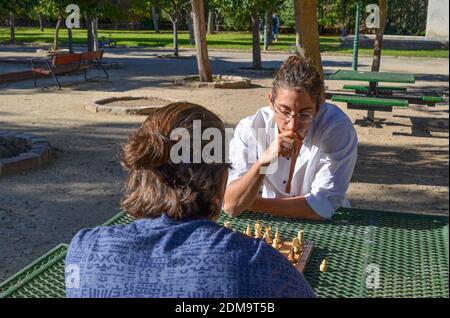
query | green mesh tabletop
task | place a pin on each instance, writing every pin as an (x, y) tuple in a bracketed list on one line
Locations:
[(345, 75), (369, 254), (44, 278)]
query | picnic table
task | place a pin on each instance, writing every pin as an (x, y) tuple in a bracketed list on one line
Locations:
[(373, 97), (369, 253)]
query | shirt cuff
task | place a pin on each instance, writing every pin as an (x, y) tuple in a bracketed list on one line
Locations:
[(320, 205)]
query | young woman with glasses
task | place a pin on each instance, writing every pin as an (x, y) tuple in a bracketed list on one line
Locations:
[(311, 146)]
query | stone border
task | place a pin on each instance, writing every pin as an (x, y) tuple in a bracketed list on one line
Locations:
[(39, 155), (98, 106), (225, 81)]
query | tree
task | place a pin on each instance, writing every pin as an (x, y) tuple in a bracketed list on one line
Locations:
[(308, 31), (198, 14), (174, 10), (379, 37), (14, 8), (155, 18)]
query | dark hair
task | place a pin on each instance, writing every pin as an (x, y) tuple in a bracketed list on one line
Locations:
[(300, 74), (155, 184)]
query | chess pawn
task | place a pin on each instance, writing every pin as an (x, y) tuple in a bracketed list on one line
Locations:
[(296, 246), (258, 230), (267, 236), (301, 238), (249, 230), (227, 224), (291, 256), (276, 241), (276, 244), (323, 266)]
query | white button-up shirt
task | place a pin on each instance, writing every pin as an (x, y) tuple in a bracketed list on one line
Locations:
[(324, 165)]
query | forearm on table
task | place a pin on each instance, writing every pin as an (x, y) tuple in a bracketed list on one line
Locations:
[(241, 193), (296, 207)]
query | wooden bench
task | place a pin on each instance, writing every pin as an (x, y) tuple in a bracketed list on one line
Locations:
[(371, 104), (68, 63)]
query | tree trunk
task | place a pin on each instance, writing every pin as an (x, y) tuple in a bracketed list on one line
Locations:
[(70, 39), (176, 51), (41, 22), (90, 46), (307, 27), (191, 29), (198, 15), (55, 40), (155, 17), (267, 31), (376, 63), (211, 19), (95, 45), (298, 37), (257, 63), (12, 28)]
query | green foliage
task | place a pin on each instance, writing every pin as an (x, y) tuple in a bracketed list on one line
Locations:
[(286, 14)]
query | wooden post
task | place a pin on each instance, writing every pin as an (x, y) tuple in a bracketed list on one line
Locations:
[(198, 13)]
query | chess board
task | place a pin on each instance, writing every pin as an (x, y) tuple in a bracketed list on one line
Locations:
[(302, 259)]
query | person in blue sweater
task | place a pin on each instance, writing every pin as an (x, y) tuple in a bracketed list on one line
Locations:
[(175, 248)]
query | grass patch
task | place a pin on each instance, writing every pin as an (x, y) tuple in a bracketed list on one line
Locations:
[(225, 40)]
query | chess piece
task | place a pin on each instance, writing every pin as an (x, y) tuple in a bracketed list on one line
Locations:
[(291, 256), (296, 246), (323, 266), (301, 238), (249, 230), (267, 235), (227, 224), (258, 230), (276, 241)]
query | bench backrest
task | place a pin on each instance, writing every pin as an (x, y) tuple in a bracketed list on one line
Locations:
[(90, 56), (67, 59)]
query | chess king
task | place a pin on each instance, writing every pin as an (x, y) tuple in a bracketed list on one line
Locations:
[(312, 142)]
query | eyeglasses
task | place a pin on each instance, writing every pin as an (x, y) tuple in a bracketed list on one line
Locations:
[(304, 118)]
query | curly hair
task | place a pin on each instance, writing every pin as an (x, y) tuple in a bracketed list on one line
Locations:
[(300, 74), (155, 184)]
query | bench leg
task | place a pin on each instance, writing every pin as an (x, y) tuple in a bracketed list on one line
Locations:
[(371, 116), (56, 79), (85, 75), (34, 79), (99, 63)]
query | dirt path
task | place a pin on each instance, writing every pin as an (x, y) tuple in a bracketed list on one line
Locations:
[(401, 167)]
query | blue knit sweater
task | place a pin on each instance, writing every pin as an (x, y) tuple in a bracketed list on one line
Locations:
[(163, 257)]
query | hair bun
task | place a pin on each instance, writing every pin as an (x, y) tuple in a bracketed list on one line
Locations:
[(146, 150)]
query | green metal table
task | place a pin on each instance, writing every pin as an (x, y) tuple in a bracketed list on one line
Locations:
[(376, 77), (369, 254), (373, 89)]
